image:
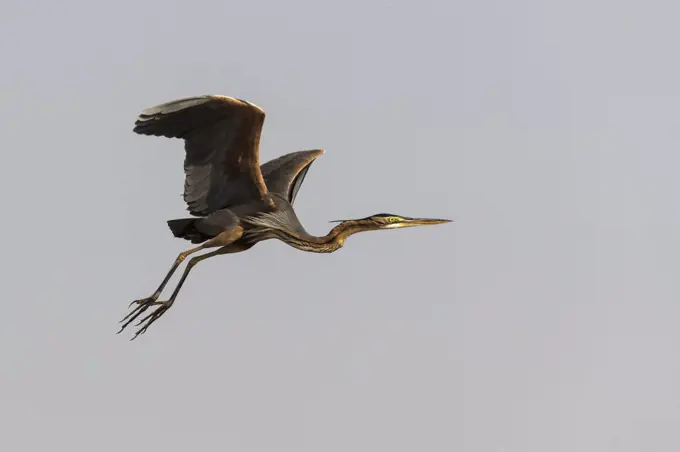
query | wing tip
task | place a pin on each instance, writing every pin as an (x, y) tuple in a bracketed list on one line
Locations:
[(313, 154), (143, 125)]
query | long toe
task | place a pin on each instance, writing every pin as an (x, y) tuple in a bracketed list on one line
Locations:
[(147, 321), (142, 305), (152, 300)]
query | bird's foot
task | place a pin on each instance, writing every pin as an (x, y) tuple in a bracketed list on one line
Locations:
[(146, 322), (142, 305)]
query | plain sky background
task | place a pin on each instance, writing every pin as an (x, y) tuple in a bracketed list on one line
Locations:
[(544, 319)]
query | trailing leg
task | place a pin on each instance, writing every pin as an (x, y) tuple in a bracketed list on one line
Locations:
[(225, 240)]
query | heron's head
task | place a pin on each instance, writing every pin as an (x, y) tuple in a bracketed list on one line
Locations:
[(391, 221)]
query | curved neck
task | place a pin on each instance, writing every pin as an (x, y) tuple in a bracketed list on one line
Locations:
[(343, 230), (324, 244)]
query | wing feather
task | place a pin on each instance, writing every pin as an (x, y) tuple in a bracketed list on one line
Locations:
[(222, 139), (284, 175)]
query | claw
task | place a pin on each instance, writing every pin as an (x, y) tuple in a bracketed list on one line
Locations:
[(140, 307), (138, 310), (151, 300), (162, 308), (150, 318), (144, 304)]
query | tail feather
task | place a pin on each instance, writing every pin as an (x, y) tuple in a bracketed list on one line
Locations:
[(185, 228)]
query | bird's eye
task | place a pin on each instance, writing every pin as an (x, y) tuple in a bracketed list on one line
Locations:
[(393, 219)]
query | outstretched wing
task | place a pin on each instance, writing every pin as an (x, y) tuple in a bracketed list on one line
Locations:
[(221, 139), (284, 175)]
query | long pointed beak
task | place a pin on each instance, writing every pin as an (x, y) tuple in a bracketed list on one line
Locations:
[(422, 221), (411, 222)]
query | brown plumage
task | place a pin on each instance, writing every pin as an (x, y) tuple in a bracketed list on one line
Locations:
[(222, 143), (235, 202)]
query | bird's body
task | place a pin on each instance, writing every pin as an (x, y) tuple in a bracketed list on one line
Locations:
[(234, 201)]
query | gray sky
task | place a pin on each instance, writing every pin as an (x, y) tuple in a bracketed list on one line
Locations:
[(545, 319)]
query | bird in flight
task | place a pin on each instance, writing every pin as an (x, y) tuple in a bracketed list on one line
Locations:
[(234, 201)]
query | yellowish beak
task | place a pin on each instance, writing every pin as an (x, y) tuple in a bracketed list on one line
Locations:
[(410, 222), (425, 221)]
